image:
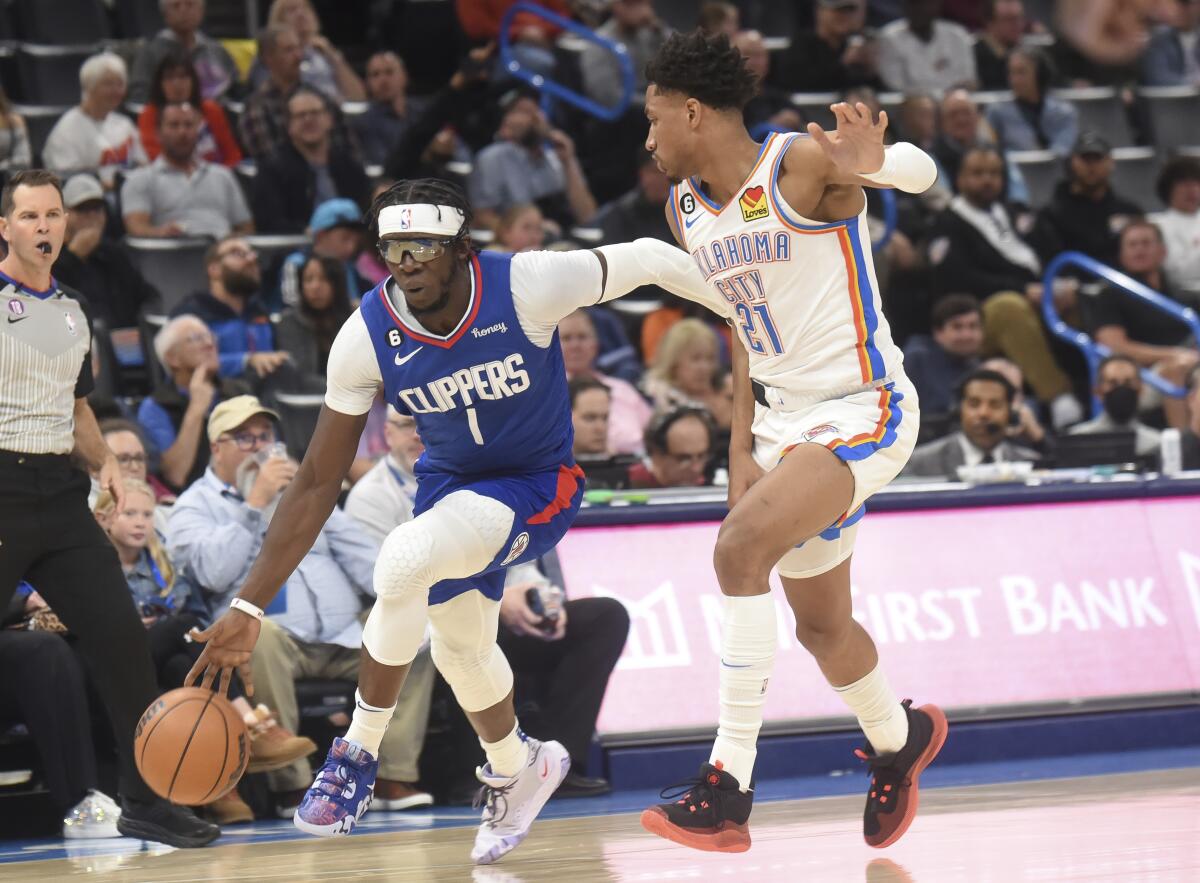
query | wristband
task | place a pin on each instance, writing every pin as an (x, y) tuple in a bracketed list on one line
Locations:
[(246, 607)]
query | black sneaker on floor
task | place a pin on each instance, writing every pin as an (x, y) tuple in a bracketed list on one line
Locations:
[(711, 813), (892, 798), (165, 822), (576, 785)]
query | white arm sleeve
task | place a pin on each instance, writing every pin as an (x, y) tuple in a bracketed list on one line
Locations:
[(352, 373), (905, 167), (652, 262), (550, 285)]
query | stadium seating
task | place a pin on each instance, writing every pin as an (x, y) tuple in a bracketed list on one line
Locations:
[(174, 266), (1041, 170), (138, 18), (1100, 110), (1174, 113), (62, 22), (1134, 174), (814, 107), (50, 74), (39, 120)]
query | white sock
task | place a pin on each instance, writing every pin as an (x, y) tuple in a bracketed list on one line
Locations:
[(879, 712), (508, 756), (368, 724), (748, 642)]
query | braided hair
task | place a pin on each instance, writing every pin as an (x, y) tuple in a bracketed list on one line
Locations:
[(433, 191), (709, 69)]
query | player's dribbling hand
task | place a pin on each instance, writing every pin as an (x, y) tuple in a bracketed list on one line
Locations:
[(856, 148), (744, 471), (228, 643)]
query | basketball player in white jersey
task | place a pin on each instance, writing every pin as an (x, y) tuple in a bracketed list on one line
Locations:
[(823, 415)]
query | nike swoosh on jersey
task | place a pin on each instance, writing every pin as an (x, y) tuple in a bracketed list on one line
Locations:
[(687, 222), (401, 361)]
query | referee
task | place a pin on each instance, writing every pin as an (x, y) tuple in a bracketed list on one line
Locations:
[(47, 534)]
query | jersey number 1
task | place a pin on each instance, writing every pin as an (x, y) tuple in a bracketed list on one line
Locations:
[(750, 318), (473, 422)]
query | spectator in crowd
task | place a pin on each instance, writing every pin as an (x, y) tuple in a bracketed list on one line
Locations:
[(124, 439), (628, 412), (389, 111), (386, 495), (337, 232), (770, 107), (322, 64), (1034, 119), (521, 228), (937, 363), (638, 212), (562, 655), (233, 312), (832, 56), (532, 36), (1129, 326), (961, 128), (264, 123), (38, 664), (530, 162), (306, 331), (985, 402), (679, 445), (215, 66), (924, 53), (95, 136), (718, 17), (634, 23), (176, 82), (370, 265), (15, 152), (1085, 214), (1025, 428), (684, 368), (307, 169), (918, 120), (976, 248), (1004, 25), (116, 289), (173, 415), (179, 194), (1179, 189), (1119, 387), (1169, 58), (590, 403), (216, 529), (1190, 443)]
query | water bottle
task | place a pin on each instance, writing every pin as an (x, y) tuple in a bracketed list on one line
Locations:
[(1171, 452)]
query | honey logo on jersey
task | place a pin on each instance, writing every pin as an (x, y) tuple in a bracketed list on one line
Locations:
[(753, 204)]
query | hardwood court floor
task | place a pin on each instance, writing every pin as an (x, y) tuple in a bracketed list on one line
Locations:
[(1124, 827)]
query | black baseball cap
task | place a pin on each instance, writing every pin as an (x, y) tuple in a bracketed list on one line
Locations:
[(1091, 144)]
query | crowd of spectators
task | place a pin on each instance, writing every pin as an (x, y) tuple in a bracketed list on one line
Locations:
[(174, 139)]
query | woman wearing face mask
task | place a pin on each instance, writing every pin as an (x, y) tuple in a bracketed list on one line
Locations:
[(308, 329), (169, 610)]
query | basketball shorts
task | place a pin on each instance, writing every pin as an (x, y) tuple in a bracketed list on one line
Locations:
[(544, 505), (873, 431)]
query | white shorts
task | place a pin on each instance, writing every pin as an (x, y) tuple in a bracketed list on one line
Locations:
[(874, 432)]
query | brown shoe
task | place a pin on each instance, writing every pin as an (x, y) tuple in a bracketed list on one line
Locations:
[(229, 810), (272, 747), (393, 795)]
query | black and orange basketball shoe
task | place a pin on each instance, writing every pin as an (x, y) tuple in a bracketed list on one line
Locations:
[(709, 812), (892, 798)]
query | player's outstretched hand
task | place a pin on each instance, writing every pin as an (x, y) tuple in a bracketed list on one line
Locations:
[(228, 643), (856, 148)]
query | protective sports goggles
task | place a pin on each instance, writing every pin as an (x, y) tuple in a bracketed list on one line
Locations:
[(421, 250)]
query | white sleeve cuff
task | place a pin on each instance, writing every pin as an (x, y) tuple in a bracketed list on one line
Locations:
[(905, 167)]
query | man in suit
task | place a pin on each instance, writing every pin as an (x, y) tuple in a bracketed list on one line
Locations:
[(985, 402)]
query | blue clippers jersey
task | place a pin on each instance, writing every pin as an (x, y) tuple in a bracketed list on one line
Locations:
[(486, 399)]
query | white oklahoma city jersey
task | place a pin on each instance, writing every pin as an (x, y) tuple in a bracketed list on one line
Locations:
[(801, 294)]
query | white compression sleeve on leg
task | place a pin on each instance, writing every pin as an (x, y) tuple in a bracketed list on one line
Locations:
[(748, 646), (465, 652), (651, 262), (905, 167), (879, 712)]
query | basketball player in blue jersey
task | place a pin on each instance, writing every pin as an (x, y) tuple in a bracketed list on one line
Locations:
[(468, 345), (823, 415)]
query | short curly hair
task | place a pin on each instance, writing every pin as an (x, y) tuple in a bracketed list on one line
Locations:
[(707, 68), (1176, 170)]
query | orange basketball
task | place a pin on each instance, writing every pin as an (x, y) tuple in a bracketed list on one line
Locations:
[(191, 746)]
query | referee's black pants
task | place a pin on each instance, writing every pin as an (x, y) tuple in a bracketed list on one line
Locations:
[(49, 538)]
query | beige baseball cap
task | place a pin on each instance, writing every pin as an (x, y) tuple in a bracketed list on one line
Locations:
[(232, 413)]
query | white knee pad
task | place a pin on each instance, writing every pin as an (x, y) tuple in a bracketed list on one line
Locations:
[(395, 627), (464, 650)]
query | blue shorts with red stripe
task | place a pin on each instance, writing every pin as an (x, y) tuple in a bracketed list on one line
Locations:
[(544, 503)]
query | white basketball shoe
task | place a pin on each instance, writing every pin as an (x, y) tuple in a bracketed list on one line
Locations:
[(511, 805)]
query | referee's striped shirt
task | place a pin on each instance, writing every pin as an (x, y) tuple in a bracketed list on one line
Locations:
[(45, 364)]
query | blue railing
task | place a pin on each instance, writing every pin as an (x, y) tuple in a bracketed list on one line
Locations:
[(549, 87), (1092, 351)]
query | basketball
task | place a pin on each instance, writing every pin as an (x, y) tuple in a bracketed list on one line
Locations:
[(191, 746)]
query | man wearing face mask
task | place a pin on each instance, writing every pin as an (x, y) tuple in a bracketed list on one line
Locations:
[(1118, 385), (985, 402)]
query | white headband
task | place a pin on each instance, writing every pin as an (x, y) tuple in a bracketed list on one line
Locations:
[(438, 220)]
